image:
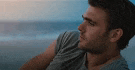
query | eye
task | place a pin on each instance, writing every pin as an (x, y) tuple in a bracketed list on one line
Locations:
[(91, 23)]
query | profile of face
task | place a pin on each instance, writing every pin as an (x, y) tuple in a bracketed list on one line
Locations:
[(93, 31)]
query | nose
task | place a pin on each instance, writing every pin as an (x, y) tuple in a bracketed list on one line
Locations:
[(81, 28)]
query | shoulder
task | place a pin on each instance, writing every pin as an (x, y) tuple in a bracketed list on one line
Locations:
[(119, 64), (68, 55), (66, 39), (122, 64), (68, 34)]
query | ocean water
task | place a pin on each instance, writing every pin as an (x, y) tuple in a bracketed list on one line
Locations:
[(22, 40)]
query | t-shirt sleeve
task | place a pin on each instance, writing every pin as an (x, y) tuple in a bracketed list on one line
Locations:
[(59, 41), (68, 55), (66, 38)]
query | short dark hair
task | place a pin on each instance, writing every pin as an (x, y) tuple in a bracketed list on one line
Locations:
[(121, 14)]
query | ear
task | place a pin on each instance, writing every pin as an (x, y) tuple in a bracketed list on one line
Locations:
[(115, 34)]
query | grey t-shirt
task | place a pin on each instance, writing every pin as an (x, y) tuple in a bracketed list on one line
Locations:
[(70, 57)]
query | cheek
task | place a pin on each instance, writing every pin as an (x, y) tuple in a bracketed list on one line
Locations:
[(93, 37), (92, 34)]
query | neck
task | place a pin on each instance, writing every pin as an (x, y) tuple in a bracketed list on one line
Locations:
[(98, 60)]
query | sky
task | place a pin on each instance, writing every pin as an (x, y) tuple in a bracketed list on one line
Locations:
[(43, 0), (49, 10)]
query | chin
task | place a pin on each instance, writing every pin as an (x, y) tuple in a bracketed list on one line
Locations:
[(79, 45), (82, 47), (90, 49)]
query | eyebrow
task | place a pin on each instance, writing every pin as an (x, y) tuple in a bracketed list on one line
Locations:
[(86, 18)]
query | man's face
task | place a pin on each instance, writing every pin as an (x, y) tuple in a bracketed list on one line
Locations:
[(93, 31)]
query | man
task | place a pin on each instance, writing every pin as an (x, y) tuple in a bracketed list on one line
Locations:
[(106, 30)]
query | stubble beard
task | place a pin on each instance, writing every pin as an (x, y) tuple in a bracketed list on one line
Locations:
[(97, 46), (93, 49)]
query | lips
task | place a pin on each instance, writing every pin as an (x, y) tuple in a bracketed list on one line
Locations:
[(81, 38)]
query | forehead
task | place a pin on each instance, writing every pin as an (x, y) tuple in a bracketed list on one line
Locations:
[(96, 14)]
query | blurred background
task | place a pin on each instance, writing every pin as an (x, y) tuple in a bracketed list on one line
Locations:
[(27, 27)]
